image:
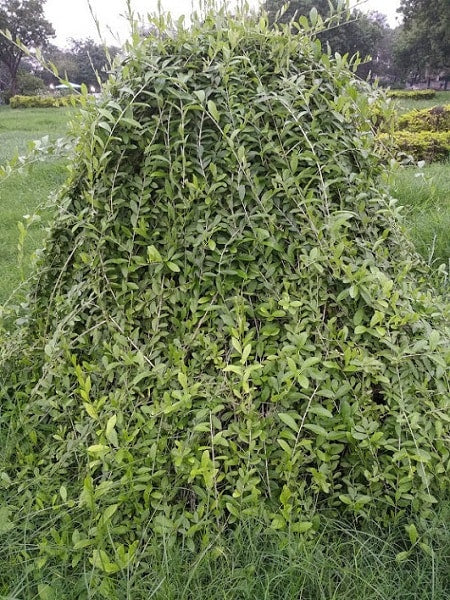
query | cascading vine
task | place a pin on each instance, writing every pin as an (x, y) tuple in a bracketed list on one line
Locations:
[(227, 321)]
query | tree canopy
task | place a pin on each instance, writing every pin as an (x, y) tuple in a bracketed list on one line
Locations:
[(84, 61), (423, 46), (25, 21)]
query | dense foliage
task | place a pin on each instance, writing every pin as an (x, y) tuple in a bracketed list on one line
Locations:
[(226, 322), (423, 134)]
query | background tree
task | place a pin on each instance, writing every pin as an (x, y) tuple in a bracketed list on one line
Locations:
[(423, 45), (26, 22), (351, 31), (82, 62), (91, 60)]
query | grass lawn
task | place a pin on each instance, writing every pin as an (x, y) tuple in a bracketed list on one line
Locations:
[(22, 194), (424, 195), (405, 105)]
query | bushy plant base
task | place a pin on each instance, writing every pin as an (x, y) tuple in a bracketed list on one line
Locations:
[(345, 561), (226, 322)]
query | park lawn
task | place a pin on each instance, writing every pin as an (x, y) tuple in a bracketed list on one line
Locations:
[(424, 195), (405, 104), (22, 194)]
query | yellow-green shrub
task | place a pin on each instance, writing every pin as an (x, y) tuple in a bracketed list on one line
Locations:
[(44, 101), (412, 94), (428, 119), (422, 145)]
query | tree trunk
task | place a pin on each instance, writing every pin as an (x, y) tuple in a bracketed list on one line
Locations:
[(13, 87)]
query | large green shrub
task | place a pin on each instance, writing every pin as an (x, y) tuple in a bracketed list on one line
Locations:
[(226, 322)]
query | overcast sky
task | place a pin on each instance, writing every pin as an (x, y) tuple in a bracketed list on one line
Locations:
[(72, 19)]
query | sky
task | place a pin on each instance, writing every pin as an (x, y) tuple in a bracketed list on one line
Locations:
[(72, 19)]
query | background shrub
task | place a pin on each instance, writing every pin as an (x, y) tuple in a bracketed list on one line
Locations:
[(44, 101), (412, 94), (436, 118), (422, 145)]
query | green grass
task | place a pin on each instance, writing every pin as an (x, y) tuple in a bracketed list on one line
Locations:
[(346, 561), (405, 105), (424, 195), (19, 194)]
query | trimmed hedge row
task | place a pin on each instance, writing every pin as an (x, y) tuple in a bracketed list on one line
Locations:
[(428, 119), (422, 145), (412, 94), (44, 101)]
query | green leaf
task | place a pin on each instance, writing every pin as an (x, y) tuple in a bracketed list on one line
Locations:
[(303, 381), (46, 592), (278, 522), (412, 533), (320, 411), (182, 379), (301, 526), (109, 512), (236, 345), (317, 429), (153, 255), (90, 410), (173, 266), (213, 110), (246, 352), (285, 446), (402, 556), (288, 420), (98, 449), (5, 523), (100, 560), (63, 493), (200, 95)]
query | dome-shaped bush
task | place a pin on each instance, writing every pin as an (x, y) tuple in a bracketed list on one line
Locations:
[(227, 322)]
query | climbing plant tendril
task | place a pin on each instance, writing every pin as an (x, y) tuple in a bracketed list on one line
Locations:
[(227, 322)]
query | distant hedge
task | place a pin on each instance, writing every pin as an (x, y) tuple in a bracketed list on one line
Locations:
[(428, 119), (423, 145), (44, 101), (413, 94)]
